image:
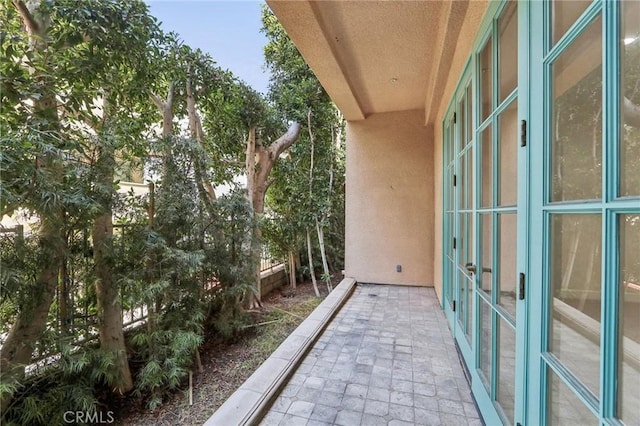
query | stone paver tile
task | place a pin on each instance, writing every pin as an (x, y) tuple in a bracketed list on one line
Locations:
[(301, 408), (348, 418), (400, 423), (308, 394), (402, 398), (447, 419), (324, 413), (424, 389), (335, 386), (272, 418), (426, 417), (290, 390), (318, 423), (332, 399), (402, 374), (470, 410), (451, 407), (281, 404), (353, 403), (426, 402), (371, 420), (448, 393), (314, 383), (377, 408), (380, 381), (355, 389), (291, 420), (402, 385), (401, 412), (360, 378), (378, 394)]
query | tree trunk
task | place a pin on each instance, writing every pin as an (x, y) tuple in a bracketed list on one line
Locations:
[(109, 309), (31, 321), (195, 127), (292, 270), (325, 266), (259, 162), (311, 271)]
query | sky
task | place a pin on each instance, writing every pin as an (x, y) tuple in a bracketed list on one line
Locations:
[(228, 30)]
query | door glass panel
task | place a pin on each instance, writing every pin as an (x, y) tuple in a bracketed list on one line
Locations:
[(486, 75), (486, 255), (469, 114), (469, 318), (508, 50), (462, 109), (487, 167), (575, 259), (508, 146), (470, 247), (630, 97), (462, 299), (485, 342), (470, 176), (461, 245), (629, 317), (507, 228), (564, 406), (461, 182), (506, 368), (564, 14), (576, 150)]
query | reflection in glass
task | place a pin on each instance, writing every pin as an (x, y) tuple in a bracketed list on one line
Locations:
[(461, 310), (485, 342), (468, 319), (564, 14), (508, 50), (485, 255), (461, 245), (630, 98), (629, 317), (486, 73), (487, 167), (508, 146), (576, 150), (507, 227), (575, 258), (462, 109), (506, 368), (565, 408), (470, 247)]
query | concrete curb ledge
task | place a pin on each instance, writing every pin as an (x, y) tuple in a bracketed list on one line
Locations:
[(247, 405)]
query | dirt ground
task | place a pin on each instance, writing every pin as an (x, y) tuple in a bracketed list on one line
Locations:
[(227, 365)]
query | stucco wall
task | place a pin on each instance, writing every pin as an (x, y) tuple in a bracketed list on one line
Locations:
[(389, 199), (472, 21)]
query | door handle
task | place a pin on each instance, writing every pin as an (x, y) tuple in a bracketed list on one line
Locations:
[(471, 267)]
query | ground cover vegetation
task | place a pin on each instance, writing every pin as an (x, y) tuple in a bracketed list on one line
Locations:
[(105, 292)]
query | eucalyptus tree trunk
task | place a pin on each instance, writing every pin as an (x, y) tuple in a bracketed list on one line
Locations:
[(311, 271), (292, 270), (259, 162), (107, 292), (31, 321), (325, 265)]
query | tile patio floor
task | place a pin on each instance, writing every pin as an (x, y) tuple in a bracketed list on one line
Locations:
[(387, 358)]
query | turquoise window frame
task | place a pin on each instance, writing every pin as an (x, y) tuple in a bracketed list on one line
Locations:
[(609, 207), (489, 28)]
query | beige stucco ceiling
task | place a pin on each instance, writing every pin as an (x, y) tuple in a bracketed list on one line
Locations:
[(376, 56)]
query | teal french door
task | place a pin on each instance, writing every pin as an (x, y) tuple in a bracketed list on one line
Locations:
[(584, 366), (482, 215), (542, 213)]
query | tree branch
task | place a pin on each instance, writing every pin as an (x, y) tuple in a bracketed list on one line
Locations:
[(156, 100), (30, 23), (631, 113), (285, 141)]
